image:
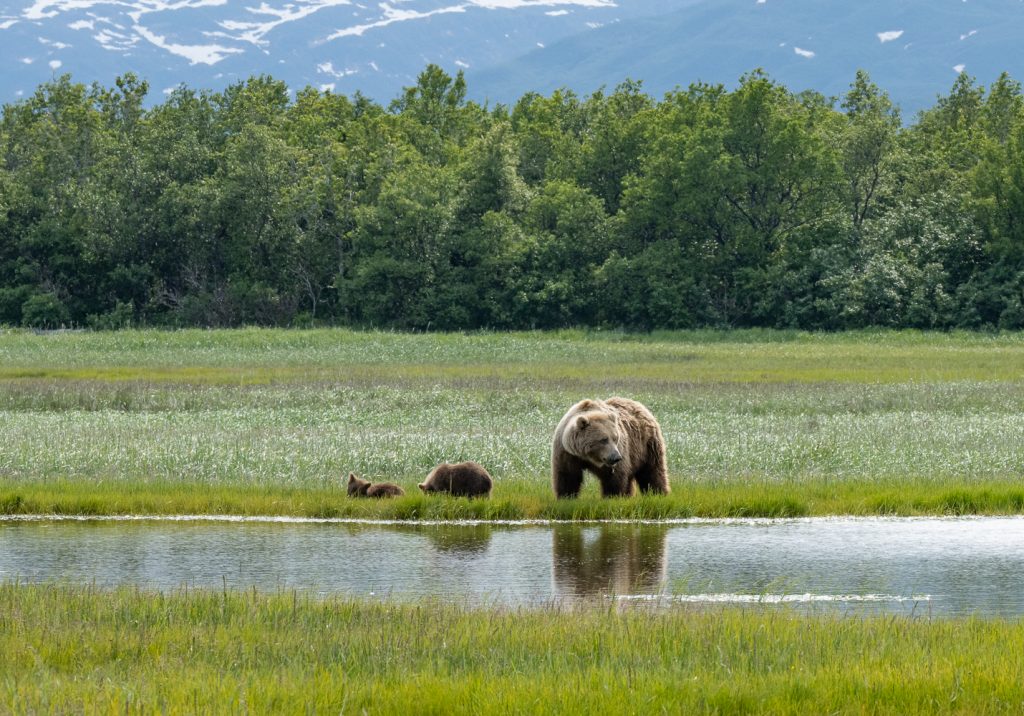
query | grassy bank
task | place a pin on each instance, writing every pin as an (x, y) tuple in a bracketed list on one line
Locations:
[(80, 649), (523, 501), (269, 421)]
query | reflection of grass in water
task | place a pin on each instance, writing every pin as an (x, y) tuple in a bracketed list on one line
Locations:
[(757, 423), (82, 649)]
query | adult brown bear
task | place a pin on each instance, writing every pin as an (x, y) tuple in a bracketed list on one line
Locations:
[(618, 440)]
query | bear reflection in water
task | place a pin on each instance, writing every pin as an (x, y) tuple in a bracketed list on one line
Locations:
[(593, 561), (464, 539)]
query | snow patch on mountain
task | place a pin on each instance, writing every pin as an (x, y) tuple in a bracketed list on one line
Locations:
[(195, 54), (391, 16), (54, 44), (519, 4), (327, 68), (116, 41), (256, 32)]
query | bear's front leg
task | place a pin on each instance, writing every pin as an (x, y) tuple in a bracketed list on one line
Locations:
[(614, 482), (566, 476)]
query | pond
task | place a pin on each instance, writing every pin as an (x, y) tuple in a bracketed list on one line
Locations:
[(921, 566)]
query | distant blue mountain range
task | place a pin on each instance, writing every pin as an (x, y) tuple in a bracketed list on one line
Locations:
[(911, 48)]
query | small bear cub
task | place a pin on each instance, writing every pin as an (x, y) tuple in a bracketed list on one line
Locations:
[(463, 479), (365, 488)]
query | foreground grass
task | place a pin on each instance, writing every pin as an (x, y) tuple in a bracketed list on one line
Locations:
[(269, 421), (80, 649)]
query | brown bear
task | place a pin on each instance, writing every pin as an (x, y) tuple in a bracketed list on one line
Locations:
[(618, 440), (365, 488), (463, 479)]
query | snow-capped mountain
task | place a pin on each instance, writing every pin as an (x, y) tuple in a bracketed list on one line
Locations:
[(912, 48)]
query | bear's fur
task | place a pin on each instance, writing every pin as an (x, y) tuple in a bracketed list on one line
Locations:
[(365, 488), (618, 440), (463, 479)]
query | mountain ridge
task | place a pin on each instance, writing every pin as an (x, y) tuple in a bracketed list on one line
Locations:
[(913, 48)]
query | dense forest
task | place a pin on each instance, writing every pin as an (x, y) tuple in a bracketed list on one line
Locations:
[(709, 207)]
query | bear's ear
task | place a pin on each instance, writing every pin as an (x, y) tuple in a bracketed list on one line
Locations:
[(351, 477), (582, 422), (585, 404)]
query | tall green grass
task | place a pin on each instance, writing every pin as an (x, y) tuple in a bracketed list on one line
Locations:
[(756, 422), (75, 649), (524, 501), (234, 357)]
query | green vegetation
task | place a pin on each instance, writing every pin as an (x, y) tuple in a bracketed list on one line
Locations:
[(81, 649), (756, 206), (264, 421)]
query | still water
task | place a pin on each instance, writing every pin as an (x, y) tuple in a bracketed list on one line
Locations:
[(921, 566)]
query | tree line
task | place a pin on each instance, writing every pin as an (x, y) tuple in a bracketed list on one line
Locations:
[(755, 206)]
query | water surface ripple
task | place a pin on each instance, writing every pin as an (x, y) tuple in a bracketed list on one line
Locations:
[(938, 566)]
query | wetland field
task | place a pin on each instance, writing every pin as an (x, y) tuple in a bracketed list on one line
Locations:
[(111, 604), (271, 421)]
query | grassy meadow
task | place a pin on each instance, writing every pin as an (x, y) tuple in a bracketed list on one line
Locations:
[(270, 421), (77, 649)]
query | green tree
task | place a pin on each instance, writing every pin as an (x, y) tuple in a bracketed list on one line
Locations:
[(401, 246), (614, 141), (549, 133), (869, 141)]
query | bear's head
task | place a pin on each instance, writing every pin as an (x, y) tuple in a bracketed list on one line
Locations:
[(357, 486), (435, 478), (595, 437)]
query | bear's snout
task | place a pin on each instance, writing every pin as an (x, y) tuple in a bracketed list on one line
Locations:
[(614, 459)]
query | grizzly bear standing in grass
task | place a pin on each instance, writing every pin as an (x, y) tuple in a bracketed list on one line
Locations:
[(618, 440)]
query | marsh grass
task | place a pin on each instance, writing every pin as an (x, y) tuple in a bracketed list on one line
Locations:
[(269, 421), (258, 356), (524, 501), (67, 648)]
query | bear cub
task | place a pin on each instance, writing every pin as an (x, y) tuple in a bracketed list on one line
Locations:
[(463, 479), (365, 488)]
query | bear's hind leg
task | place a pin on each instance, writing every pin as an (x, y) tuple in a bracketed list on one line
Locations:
[(652, 476), (649, 480), (643, 479)]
